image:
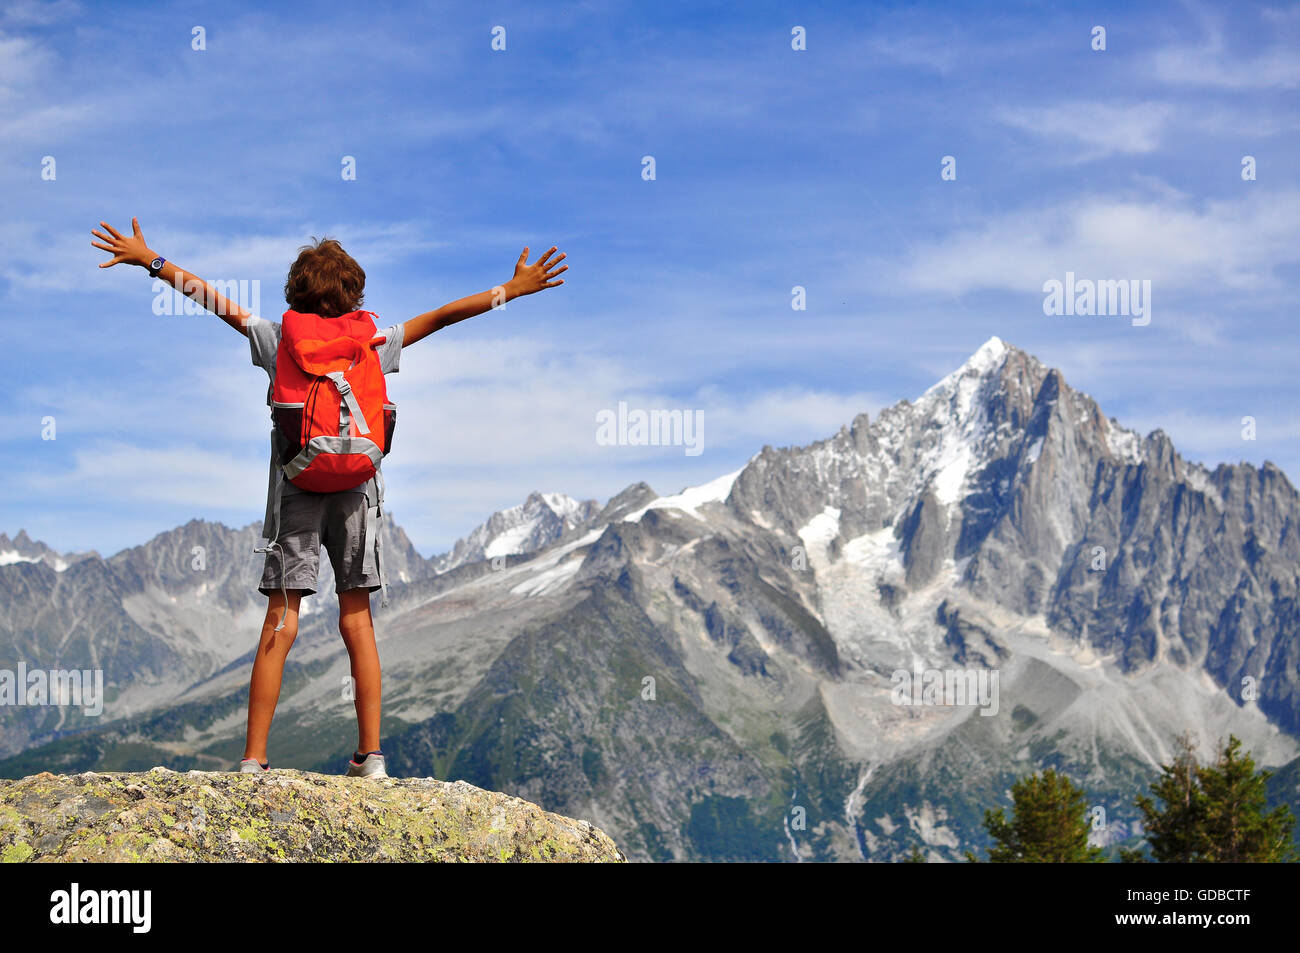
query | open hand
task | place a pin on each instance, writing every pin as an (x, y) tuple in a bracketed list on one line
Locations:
[(124, 248), (530, 278)]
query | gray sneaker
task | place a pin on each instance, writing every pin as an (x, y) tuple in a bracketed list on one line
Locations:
[(251, 766), (371, 767)]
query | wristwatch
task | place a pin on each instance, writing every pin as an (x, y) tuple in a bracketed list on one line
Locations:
[(155, 266)]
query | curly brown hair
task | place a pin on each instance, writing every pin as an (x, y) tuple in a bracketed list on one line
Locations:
[(325, 280)]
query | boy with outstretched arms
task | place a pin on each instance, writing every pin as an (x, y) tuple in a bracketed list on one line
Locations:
[(323, 283)]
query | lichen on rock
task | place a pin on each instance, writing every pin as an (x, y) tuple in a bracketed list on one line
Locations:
[(282, 815)]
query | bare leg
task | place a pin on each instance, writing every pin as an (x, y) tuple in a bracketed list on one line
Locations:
[(268, 668), (358, 633)]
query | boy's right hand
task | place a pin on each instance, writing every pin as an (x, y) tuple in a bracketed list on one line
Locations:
[(129, 249), (530, 278)]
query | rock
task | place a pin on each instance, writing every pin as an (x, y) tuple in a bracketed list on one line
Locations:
[(279, 816)]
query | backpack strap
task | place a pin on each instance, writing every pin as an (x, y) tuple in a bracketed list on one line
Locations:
[(374, 539), (350, 399), (271, 523)]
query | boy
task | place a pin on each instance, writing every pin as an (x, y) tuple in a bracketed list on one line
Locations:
[(323, 282)]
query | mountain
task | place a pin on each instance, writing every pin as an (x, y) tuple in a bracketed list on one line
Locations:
[(726, 672), (539, 521)]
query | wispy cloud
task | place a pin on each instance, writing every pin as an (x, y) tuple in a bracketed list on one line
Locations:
[(1188, 248), (22, 60), (1213, 62), (25, 13), (1086, 131)]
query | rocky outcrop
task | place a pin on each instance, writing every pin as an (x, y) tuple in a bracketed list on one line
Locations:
[(161, 815)]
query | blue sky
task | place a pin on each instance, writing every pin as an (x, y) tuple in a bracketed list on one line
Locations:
[(775, 168)]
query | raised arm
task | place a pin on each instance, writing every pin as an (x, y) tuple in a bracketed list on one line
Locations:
[(132, 250), (527, 280)]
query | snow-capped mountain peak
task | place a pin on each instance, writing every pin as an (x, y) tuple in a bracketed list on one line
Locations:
[(987, 359), (537, 522)]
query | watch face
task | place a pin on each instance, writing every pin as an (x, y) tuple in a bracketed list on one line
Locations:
[(155, 264)]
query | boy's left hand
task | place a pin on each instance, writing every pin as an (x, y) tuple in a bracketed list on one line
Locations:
[(125, 248), (531, 278)]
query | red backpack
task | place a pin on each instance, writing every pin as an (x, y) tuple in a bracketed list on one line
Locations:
[(329, 402)]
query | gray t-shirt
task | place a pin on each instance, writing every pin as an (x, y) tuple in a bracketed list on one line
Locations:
[(264, 342)]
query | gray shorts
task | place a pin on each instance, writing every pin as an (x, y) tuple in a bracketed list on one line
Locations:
[(309, 520)]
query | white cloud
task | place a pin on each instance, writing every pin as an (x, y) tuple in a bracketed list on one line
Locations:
[(38, 12), (1093, 130), (22, 62), (1224, 245), (1211, 64), (793, 414), (115, 473), (1215, 62), (44, 124), (520, 402)]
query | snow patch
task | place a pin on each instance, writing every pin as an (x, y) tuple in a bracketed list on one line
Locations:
[(11, 556), (988, 356), (1198, 478), (563, 505), (509, 542), (1124, 444), (984, 361), (688, 501), (543, 563), (821, 529), (880, 553), (952, 468), (548, 579), (960, 423)]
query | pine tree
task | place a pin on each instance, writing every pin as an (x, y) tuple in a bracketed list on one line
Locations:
[(1215, 813), (915, 857), (1238, 829), (1049, 823), (1176, 832)]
